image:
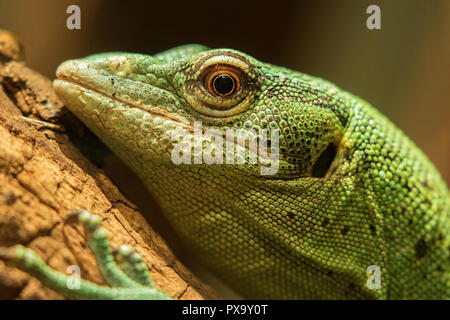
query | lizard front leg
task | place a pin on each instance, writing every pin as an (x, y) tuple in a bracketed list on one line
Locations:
[(128, 280)]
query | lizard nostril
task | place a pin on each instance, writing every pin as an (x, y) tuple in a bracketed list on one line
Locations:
[(324, 161)]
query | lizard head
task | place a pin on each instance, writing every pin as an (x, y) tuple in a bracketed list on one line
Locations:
[(156, 105), (150, 110)]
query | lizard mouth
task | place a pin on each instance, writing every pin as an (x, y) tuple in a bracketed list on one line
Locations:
[(63, 82), (111, 79)]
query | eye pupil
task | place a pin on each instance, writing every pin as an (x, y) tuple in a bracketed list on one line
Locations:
[(224, 84)]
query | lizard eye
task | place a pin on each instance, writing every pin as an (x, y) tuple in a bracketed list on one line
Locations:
[(221, 84), (222, 81)]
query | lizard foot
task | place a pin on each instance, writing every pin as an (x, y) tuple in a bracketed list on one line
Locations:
[(133, 265), (129, 281)]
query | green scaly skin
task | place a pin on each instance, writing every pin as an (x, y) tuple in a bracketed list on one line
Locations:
[(351, 190)]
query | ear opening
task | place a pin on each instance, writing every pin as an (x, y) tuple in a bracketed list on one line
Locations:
[(324, 161)]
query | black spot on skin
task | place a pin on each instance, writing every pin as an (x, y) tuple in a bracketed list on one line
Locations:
[(405, 185), (350, 288), (345, 230), (373, 230), (330, 273), (421, 248), (439, 269), (325, 221)]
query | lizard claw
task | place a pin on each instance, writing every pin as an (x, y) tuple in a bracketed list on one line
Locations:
[(73, 217), (89, 221)]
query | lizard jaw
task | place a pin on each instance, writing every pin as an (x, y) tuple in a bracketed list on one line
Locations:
[(62, 85), (121, 126)]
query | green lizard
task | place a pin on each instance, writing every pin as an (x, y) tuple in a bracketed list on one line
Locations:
[(351, 192)]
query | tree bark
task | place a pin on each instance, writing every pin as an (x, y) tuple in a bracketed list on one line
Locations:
[(43, 177)]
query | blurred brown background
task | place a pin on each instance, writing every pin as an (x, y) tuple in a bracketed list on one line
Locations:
[(403, 69)]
